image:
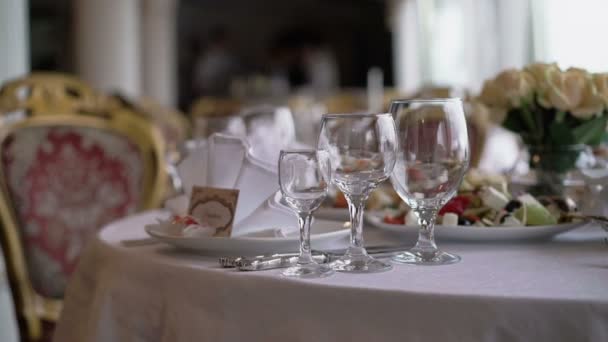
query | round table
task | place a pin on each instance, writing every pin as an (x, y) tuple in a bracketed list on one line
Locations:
[(551, 291)]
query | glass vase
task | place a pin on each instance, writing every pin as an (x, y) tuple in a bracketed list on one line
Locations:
[(556, 168)]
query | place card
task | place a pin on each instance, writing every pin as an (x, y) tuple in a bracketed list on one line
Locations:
[(214, 207)]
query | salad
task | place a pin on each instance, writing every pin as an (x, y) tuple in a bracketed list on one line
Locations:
[(185, 226), (382, 197), (483, 200)]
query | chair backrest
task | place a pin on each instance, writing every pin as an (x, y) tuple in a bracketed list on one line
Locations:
[(216, 115), (345, 102), (64, 175), (48, 93), (173, 124)]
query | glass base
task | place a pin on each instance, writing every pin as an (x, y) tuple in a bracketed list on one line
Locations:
[(312, 270), (360, 262), (429, 258)]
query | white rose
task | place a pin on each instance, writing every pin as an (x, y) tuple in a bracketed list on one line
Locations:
[(540, 70), (494, 100), (601, 85), (492, 95), (506, 91), (572, 91), (515, 85)]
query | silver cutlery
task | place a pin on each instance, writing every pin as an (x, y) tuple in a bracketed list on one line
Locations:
[(281, 260)]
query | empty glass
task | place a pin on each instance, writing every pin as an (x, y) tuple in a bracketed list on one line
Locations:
[(303, 189), (204, 126), (269, 129), (359, 150), (433, 157)]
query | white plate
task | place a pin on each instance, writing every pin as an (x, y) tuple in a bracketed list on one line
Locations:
[(336, 214), (325, 235), (472, 233)]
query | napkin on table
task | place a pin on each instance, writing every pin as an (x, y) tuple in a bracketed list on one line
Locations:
[(269, 213), (226, 155), (193, 169), (225, 162)]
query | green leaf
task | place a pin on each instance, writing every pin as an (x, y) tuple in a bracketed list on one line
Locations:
[(592, 131), (538, 117), (561, 134), (528, 119), (513, 122)]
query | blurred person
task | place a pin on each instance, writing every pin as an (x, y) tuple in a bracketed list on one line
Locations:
[(304, 60), (216, 67), (320, 65), (285, 59)]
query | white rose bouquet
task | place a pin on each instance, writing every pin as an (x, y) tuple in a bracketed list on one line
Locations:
[(551, 109)]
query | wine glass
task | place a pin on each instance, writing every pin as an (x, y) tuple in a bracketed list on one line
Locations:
[(304, 189), (432, 160), (269, 129), (360, 151)]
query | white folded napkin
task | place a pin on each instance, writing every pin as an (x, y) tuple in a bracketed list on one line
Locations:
[(225, 156), (193, 169), (255, 181), (178, 205), (269, 213), (225, 162)]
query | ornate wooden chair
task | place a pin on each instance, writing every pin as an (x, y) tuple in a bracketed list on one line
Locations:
[(175, 128), (63, 175), (215, 115), (43, 93), (173, 124), (346, 102), (389, 95)]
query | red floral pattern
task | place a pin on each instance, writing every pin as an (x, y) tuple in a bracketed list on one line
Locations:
[(66, 183)]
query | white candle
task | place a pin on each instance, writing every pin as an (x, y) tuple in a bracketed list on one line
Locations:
[(375, 89)]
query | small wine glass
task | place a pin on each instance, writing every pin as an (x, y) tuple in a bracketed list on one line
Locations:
[(432, 160), (304, 189), (269, 130), (360, 151)]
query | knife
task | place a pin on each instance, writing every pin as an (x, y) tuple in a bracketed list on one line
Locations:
[(267, 262)]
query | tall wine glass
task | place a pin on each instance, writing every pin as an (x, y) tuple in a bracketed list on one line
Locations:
[(433, 157), (360, 150), (304, 189)]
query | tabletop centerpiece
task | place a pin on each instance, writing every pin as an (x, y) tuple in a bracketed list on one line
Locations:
[(557, 114)]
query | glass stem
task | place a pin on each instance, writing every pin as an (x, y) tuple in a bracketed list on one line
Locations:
[(304, 220), (426, 234), (356, 205)]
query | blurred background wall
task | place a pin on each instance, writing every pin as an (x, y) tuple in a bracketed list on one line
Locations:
[(356, 33), (456, 43)]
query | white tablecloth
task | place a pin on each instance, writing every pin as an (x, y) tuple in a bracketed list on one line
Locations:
[(552, 291)]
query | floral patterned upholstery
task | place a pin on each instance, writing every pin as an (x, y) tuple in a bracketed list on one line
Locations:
[(65, 183)]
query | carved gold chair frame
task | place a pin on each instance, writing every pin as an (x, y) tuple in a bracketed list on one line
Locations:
[(43, 93), (32, 309), (345, 102), (214, 107), (210, 109)]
